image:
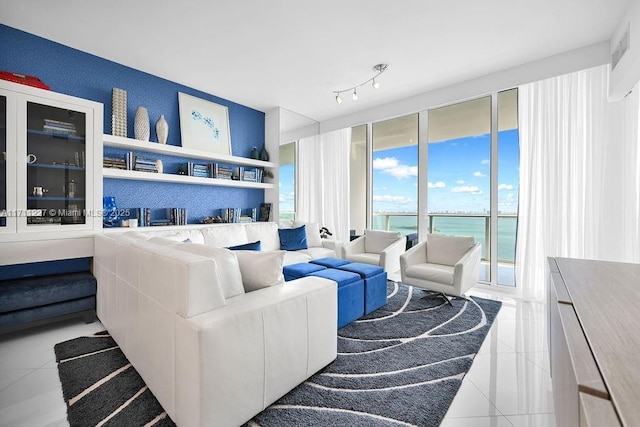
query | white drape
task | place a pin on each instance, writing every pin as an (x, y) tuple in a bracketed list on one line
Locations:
[(579, 179), (322, 193)]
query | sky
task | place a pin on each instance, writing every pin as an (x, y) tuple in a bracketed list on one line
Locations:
[(458, 177)]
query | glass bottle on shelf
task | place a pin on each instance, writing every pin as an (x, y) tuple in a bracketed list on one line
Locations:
[(56, 174)]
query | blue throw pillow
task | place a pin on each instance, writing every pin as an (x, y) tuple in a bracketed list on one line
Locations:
[(293, 239), (253, 246)]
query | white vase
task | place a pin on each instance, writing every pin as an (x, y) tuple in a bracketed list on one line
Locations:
[(141, 128), (162, 130)]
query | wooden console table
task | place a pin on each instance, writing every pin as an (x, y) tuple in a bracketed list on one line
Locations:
[(594, 342)]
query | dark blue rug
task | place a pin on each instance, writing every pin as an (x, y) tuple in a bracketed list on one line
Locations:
[(402, 365)]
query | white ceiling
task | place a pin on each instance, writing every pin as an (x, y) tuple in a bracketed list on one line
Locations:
[(294, 54)]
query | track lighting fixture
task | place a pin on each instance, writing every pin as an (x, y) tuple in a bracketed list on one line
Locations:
[(379, 69)]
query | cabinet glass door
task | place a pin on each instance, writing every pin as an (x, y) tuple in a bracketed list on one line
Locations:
[(56, 183), (3, 162)]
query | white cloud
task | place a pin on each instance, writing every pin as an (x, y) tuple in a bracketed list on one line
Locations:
[(460, 181), (485, 161), (391, 166), (505, 187), (467, 189), (387, 198), (479, 174), (438, 184), (386, 163)]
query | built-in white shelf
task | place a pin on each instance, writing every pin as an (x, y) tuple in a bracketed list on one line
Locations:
[(181, 179), (172, 150)]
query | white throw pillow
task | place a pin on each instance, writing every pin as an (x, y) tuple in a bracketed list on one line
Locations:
[(227, 267), (447, 250), (266, 233), (313, 233), (377, 241), (286, 224), (225, 236), (260, 269)]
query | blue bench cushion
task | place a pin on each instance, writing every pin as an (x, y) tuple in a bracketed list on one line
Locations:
[(28, 315), (342, 278), (330, 262), (296, 271), (364, 270), (30, 292)]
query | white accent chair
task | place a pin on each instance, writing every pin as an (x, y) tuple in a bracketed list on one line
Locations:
[(447, 265), (375, 247)]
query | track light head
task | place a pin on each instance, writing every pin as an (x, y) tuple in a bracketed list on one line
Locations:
[(355, 94), (375, 84), (338, 99)]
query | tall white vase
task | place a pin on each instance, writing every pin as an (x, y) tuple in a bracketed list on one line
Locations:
[(141, 127), (162, 130)]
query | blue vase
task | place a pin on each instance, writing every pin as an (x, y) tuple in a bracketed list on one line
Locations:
[(110, 217)]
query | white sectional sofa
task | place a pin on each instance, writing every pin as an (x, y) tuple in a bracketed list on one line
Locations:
[(217, 335)]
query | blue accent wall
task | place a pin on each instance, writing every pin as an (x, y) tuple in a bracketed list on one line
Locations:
[(77, 73)]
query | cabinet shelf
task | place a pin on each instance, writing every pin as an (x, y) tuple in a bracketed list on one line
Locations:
[(48, 166), (172, 150), (181, 179), (58, 135), (55, 199)]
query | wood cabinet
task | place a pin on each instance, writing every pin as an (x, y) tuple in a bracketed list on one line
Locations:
[(594, 340)]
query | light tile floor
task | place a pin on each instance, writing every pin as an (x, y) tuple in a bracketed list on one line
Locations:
[(507, 386)]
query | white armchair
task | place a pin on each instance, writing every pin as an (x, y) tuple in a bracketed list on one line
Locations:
[(445, 264), (375, 247)]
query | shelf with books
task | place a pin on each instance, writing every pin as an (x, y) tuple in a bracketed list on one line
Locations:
[(182, 179), (172, 150)]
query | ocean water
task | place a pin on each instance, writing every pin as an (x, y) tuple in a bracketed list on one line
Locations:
[(457, 226), (461, 226)]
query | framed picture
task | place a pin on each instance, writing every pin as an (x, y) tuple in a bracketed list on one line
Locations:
[(204, 125)]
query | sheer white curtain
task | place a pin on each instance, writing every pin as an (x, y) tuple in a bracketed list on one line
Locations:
[(578, 175), (322, 194)]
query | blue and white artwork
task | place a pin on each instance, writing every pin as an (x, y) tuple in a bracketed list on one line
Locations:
[(204, 125)]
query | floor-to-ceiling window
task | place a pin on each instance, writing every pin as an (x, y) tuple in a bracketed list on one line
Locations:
[(472, 174), (287, 183), (459, 172), (395, 174)]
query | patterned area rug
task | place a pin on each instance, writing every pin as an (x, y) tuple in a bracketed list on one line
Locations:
[(402, 365), (101, 388)]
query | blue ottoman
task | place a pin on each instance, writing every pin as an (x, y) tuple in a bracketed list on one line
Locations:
[(296, 271), (330, 262), (350, 294), (375, 284)]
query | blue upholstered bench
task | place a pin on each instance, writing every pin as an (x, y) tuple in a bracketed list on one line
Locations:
[(350, 294), (375, 284), (33, 300)]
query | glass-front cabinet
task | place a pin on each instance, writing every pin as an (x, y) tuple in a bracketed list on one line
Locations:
[(50, 144)]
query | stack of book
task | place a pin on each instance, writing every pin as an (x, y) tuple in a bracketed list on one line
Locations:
[(58, 127), (177, 216), (142, 214), (222, 171), (114, 162), (197, 169), (230, 214), (145, 165)]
